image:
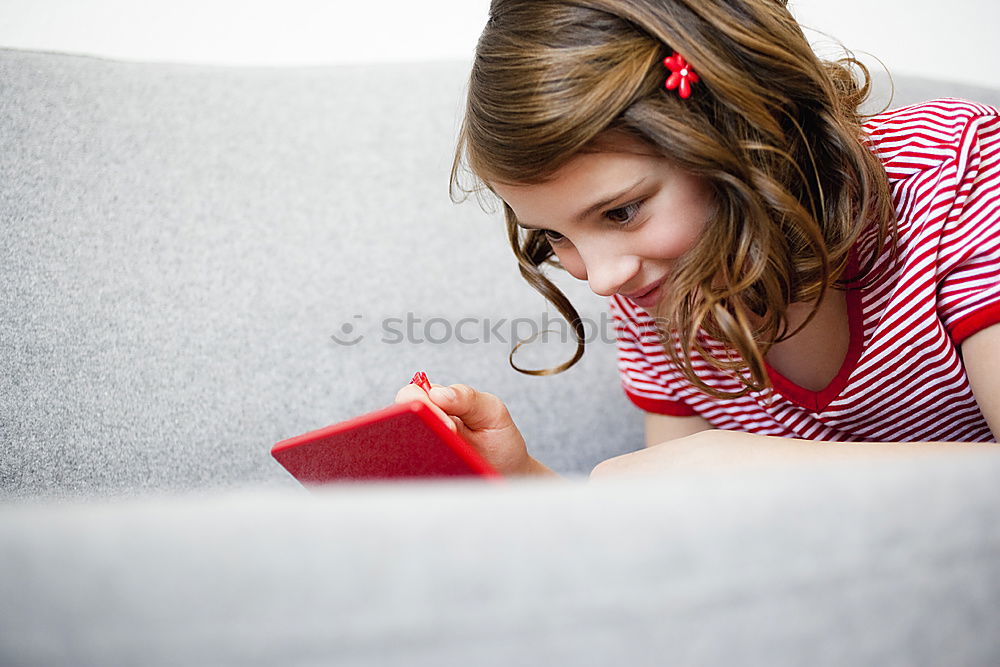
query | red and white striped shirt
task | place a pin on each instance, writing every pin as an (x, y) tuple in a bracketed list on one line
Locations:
[(903, 378)]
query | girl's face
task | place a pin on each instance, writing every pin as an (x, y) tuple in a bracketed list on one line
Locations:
[(618, 218)]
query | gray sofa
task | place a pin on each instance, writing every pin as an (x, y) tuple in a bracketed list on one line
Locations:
[(197, 262)]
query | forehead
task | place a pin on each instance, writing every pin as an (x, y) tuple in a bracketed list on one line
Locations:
[(610, 143), (592, 175)]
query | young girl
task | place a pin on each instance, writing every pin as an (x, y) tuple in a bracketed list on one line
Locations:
[(785, 273)]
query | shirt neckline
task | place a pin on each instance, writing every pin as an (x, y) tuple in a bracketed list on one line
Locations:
[(818, 401)]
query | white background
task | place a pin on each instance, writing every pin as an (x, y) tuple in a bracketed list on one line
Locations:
[(954, 39)]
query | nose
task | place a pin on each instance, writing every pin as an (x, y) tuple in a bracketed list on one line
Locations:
[(608, 269)]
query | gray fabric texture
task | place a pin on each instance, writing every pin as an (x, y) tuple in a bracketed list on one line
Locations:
[(895, 91), (179, 244), (893, 564)]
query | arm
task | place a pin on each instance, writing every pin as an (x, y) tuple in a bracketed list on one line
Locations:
[(981, 355), (661, 432), (713, 449), (660, 428)]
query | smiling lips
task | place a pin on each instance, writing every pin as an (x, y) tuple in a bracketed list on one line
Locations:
[(648, 296)]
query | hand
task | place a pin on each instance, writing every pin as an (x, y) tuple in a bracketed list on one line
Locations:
[(483, 421)]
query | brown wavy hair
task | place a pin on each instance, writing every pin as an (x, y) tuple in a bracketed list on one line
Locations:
[(773, 129)]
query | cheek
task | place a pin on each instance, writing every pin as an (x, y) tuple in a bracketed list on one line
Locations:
[(670, 245), (678, 221), (673, 239)]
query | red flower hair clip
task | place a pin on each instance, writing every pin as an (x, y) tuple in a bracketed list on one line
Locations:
[(681, 75)]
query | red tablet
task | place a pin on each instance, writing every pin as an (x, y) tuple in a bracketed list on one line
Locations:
[(402, 440)]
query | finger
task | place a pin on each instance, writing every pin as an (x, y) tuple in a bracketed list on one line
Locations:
[(478, 410), (412, 392)]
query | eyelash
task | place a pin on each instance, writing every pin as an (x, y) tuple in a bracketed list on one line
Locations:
[(554, 238), (632, 210)]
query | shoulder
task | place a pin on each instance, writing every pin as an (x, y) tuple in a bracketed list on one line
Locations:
[(942, 159), (921, 136), (933, 120), (939, 157)]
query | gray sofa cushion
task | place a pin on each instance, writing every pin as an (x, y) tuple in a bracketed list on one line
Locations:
[(890, 563)]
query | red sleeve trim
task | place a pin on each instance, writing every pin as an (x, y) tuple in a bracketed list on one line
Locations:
[(975, 322), (660, 406)]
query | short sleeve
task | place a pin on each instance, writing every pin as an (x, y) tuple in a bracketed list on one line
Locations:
[(642, 364), (969, 254)]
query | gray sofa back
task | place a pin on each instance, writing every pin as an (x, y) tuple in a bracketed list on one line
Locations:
[(180, 244), (182, 248)]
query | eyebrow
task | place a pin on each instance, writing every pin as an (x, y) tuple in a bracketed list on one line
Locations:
[(607, 201)]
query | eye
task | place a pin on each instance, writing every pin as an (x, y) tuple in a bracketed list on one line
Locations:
[(624, 215), (553, 238)]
